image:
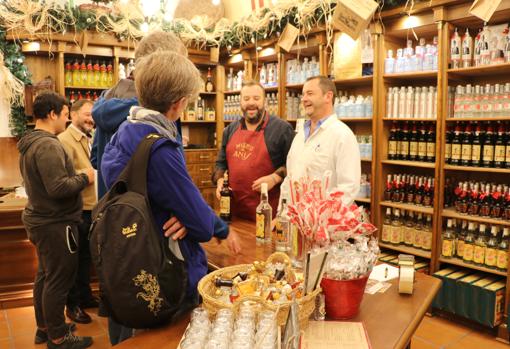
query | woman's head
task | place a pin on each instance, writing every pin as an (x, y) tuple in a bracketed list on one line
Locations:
[(166, 81)]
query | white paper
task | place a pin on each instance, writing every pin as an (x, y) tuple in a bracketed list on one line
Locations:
[(384, 272)]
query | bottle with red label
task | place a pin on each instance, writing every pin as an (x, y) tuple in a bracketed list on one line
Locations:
[(76, 74), (90, 74), (109, 72), (83, 74), (68, 74)]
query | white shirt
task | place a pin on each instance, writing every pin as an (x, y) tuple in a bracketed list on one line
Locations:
[(331, 147)]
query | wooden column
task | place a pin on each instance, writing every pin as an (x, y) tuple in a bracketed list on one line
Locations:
[(219, 104)]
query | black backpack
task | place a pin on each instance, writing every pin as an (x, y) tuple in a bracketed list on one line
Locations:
[(142, 283)]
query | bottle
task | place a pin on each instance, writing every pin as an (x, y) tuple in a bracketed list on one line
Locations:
[(95, 97), (491, 250), (104, 75), (409, 103), (90, 74), (200, 109), (456, 146), (282, 235), (469, 244), (427, 234), (502, 257), (396, 229), (389, 63), (500, 147), (423, 102), (466, 147), (68, 74), (455, 43), (400, 61), (209, 85), (264, 214), (479, 249), (431, 144), (448, 145), (460, 241), (230, 80), (422, 143), (72, 98), (497, 202), (109, 72), (263, 75), (418, 231), (409, 229), (404, 143), (191, 115), (83, 74), (488, 148), (448, 243), (76, 74), (476, 150), (413, 143), (130, 68), (468, 102), (467, 50), (97, 73), (386, 228)]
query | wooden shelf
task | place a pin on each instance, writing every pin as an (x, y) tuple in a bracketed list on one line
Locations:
[(461, 263), (271, 88), (355, 119), (451, 213), (294, 87), (86, 88), (418, 75), (410, 119), (236, 92), (360, 81), (496, 118), (364, 200), (408, 207), (208, 93), (198, 122), (407, 249), (366, 159), (409, 163), (483, 71), (476, 169)]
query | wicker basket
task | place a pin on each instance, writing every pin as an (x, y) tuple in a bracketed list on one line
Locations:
[(206, 289)]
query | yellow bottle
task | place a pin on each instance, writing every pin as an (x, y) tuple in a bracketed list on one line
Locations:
[(104, 76), (97, 75), (76, 74)]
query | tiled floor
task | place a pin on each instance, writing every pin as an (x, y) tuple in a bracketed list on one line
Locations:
[(17, 328)]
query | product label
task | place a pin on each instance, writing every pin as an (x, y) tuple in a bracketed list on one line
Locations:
[(413, 148), (479, 254), (408, 235), (225, 205), (447, 250), (386, 233), (422, 149), (456, 151), (499, 154), (395, 235), (392, 148), (460, 248), (491, 255), (417, 238), (259, 226), (466, 152), (488, 153), (507, 156), (427, 240), (475, 154), (404, 148), (502, 259), (282, 229), (468, 252), (431, 150), (448, 151)]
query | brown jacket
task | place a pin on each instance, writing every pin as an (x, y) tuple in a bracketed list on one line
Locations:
[(77, 147)]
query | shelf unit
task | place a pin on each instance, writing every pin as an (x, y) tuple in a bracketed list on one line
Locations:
[(451, 213), (407, 249), (460, 263)]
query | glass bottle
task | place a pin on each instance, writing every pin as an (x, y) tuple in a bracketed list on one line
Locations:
[(418, 231), (479, 248), (467, 50), (500, 147), (226, 195), (448, 145), (476, 149), (109, 73), (76, 74), (502, 258), (90, 74), (466, 148), (386, 228), (396, 230), (455, 43), (209, 85), (68, 74), (431, 144), (456, 146), (264, 214), (469, 244), (460, 240), (409, 229), (488, 147), (282, 236), (393, 143), (448, 241), (97, 74), (491, 250), (413, 143), (427, 234), (83, 74), (389, 63)]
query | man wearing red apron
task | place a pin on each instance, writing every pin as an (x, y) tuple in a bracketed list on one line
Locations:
[(254, 151)]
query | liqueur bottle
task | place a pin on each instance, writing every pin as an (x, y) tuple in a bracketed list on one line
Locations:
[(264, 213), (226, 199)]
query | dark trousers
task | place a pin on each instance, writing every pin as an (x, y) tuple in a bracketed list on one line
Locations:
[(81, 292), (57, 247)]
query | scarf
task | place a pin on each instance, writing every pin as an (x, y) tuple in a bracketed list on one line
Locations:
[(155, 119)]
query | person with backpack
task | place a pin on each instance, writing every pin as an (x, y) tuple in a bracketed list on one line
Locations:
[(165, 83)]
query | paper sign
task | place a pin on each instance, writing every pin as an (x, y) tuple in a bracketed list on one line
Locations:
[(289, 35), (484, 9), (384, 272), (215, 54), (352, 16), (346, 57)]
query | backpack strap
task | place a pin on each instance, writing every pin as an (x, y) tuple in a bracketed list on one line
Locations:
[(135, 179)]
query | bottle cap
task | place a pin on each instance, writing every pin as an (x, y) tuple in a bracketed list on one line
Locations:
[(263, 188)]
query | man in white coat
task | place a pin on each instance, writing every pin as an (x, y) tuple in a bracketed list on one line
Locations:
[(324, 143)]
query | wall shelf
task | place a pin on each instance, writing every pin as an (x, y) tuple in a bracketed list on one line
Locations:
[(451, 213), (408, 207), (407, 249), (409, 163), (461, 263), (476, 169)]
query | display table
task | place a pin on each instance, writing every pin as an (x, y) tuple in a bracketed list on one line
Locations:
[(390, 318)]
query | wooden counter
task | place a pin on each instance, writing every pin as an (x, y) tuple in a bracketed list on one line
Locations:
[(390, 318)]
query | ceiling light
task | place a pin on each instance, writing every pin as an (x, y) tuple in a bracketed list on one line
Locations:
[(216, 2), (144, 27)]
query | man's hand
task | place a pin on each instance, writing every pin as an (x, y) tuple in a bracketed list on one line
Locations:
[(271, 180), (233, 242), (219, 185), (175, 229), (91, 175)]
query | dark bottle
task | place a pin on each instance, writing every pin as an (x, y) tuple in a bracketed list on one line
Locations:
[(476, 151), (467, 146), (403, 188), (431, 144), (448, 146), (428, 196), (456, 146), (506, 212), (500, 147), (226, 199), (389, 189), (497, 202), (491, 249), (502, 259), (461, 237), (418, 196), (393, 150), (485, 200), (422, 143), (474, 204), (413, 143), (469, 244), (404, 143), (488, 148), (507, 149), (395, 195), (410, 190), (463, 199), (209, 85)]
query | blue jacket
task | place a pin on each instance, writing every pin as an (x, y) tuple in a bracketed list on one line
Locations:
[(171, 191)]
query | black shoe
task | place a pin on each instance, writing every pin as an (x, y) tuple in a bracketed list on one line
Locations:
[(42, 336), (92, 302), (71, 342), (78, 315)]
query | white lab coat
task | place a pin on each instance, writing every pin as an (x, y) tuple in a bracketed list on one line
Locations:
[(333, 147)]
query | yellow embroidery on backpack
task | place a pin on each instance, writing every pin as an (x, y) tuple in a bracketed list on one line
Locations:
[(150, 292)]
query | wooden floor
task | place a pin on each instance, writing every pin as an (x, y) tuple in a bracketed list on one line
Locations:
[(17, 328)]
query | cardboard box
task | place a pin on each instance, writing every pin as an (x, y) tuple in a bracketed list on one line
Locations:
[(484, 9), (449, 285), (464, 294), (492, 302), (476, 308), (353, 16), (438, 300)]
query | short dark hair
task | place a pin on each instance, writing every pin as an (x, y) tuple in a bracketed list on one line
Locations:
[(80, 103), (249, 83), (325, 84), (47, 101)]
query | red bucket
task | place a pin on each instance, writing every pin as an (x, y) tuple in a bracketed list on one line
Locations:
[(343, 297)]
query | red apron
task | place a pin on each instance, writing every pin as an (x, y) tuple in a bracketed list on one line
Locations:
[(248, 159)]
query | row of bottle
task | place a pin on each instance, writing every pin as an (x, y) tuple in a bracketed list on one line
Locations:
[(481, 101), (88, 74), (198, 111), (268, 77), (76, 96), (365, 188), (354, 107), (412, 141), (485, 246), (232, 106), (410, 189), (365, 146), (234, 81), (475, 144), (207, 85), (407, 228), (479, 199), (298, 72), (422, 58), (490, 46), (413, 102), (294, 106)]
